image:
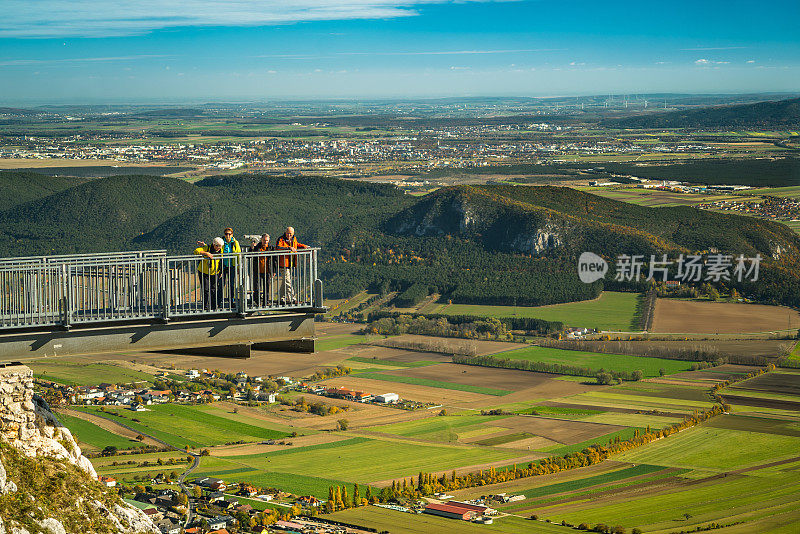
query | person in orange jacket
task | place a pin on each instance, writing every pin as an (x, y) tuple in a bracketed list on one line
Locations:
[(288, 241)]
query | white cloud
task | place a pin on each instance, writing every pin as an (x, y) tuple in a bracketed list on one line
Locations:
[(709, 62), (750, 61), (95, 18)]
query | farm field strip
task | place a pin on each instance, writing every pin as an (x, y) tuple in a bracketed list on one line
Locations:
[(635, 401), (433, 383), (698, 448), (401, 523), (596, 480), (87, 433), (708, 501), (560, 450), (608, 489), (505, 439), (182, 425), (339, 341), (391, 363), (432, 425), (81, 374)]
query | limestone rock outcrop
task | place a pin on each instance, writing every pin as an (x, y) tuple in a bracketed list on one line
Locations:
[(28, 426)]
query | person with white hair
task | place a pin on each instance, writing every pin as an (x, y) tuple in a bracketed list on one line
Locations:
[(210, 272)]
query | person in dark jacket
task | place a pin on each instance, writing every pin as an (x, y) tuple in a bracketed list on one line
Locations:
[(262, 273)]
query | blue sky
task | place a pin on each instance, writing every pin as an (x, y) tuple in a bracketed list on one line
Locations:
[(206, 50)]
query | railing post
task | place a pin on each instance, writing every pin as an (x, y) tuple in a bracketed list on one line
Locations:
[(243, 276), (66, 303), (165, 280)]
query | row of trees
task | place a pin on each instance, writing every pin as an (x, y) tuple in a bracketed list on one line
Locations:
[(464, 327), (331, 372), (530, 325), (339, 499), (603, 376)]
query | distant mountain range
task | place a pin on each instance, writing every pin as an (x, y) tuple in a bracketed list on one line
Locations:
[(782, 114), (492, 243)]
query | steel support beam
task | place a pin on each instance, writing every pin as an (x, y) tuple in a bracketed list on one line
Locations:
[(201, 332)]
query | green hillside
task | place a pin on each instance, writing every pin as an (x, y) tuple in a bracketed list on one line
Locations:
[(19, 187), (493, 244), (99, 215)]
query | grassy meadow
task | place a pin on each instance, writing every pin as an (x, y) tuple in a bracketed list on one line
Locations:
[(611, 311), (650, 367)]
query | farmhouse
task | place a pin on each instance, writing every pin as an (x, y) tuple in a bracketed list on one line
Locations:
[(108, 481), (452, 512)]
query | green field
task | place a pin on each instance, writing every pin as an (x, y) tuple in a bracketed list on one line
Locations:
[(85, 374), (558, 411), (92, 435), (433, 383), (593, 360), (181, 425), (611, 311), (581, 483), (560, 450), (369, 460), (730, 500), (438, 428), (338, 342), (615, 397), (699, 448)]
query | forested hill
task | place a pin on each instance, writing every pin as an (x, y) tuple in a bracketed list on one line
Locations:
[(20, 187), (486, 244), (783, 114), (558, 220)]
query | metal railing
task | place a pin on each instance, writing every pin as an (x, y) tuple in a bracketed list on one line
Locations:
[(103, 288)]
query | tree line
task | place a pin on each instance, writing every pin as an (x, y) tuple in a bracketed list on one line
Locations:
[(603, 376)]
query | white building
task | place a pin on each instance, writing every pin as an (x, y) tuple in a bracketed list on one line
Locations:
[(387, 398)]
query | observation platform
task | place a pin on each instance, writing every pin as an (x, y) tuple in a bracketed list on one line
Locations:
[(147, 300)]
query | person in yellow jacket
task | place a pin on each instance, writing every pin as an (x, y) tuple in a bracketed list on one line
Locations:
[(210, 272), (231, 249)]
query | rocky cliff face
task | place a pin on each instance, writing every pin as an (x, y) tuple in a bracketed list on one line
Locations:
[(47, 485)]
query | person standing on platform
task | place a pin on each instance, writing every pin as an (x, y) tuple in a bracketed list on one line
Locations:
[(286, 262), (231, 249), (262, 273), (210, 271)]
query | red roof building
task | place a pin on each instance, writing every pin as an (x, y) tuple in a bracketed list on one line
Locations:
[(477, 508), (452, 512)]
